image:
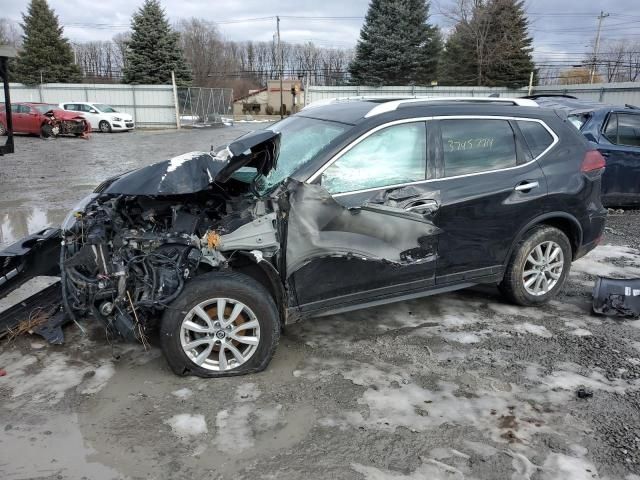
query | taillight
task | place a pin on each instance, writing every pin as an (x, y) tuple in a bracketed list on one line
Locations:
[(593, 160)]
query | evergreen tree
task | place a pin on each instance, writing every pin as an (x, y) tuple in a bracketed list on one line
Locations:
[(44, 50), (153, 50), (491, 48), (397, 46), (511, 62)]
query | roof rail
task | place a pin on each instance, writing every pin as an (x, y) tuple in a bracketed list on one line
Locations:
[(331, 101), (393, 105)]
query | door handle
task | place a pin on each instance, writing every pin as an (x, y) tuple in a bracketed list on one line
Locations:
[(422, 206), (524, 187)]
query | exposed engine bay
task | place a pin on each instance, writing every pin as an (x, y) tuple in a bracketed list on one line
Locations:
[(127, 257), (60, 123)]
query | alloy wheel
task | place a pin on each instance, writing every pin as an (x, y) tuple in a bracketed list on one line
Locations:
[(220, 334), (543, 268)]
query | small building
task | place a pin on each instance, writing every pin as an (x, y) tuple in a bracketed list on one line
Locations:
[(266, 101)]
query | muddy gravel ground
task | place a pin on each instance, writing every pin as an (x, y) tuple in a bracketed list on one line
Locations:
[(456, 386)]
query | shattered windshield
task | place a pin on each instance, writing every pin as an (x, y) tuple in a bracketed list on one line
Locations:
[(301, 138), (104, 108)]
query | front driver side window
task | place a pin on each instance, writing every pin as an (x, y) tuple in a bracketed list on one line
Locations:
[(391, 156)]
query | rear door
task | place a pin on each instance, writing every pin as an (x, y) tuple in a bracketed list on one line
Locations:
[(490, 185), (365, 232), (19, 118), (620, 144)]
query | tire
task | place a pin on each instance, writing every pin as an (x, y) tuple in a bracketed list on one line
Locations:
[(46, 131), (104, 127), (205, 291), (3, 130), (515, 288)]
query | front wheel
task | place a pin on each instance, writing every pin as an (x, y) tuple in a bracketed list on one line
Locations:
[(538, 267), (222, 324), (104, 126)]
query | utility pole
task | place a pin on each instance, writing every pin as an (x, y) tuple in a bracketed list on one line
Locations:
[(281, 66), (597, 48)]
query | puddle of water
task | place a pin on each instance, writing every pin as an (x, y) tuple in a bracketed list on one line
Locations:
[(16, 223)]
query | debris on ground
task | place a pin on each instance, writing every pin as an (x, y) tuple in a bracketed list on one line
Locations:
[(584, 392), (617, 297)]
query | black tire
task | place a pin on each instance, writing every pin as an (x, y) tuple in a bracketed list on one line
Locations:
[(46, 131), (221, 285), (104, 127), (3, 130), (513, 285)]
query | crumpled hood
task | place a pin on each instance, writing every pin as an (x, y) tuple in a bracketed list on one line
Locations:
[(66, 115), (195, 171)]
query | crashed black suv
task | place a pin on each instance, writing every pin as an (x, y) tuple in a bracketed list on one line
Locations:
[(342, 206)]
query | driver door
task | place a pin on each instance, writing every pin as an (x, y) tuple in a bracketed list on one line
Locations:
[(361, 232)]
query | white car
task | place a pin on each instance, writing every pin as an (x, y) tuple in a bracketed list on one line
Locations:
[(101, 117)]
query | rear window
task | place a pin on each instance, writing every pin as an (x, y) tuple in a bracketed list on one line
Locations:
[(473, 146), (537, 137), (623, 129)]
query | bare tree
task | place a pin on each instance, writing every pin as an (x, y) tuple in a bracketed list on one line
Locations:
[(10, 33)]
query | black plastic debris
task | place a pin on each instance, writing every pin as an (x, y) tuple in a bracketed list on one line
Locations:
[(617, 297), (584, 392)]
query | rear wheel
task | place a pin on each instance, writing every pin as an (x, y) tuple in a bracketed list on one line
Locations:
[(104, 126), (222, 324), (538, 267)]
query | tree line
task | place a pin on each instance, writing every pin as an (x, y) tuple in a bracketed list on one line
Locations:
[(488, 44)]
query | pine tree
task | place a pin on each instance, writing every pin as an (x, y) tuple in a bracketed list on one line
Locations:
[(512, 62), (491, 48), (45, 53), (153, 50), (397, 46)]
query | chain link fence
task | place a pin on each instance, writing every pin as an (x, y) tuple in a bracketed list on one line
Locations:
[(205, 107)]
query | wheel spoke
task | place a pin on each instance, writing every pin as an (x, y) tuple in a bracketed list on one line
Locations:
[(556, 264), (544, 284), (536, 287), (554, 275), (197, 343), (245, 326), (237, 309), (203, 315), (245, 339), (222, 357), (528, 273), (221, 306), (554, 254), (539, 254), (194, 327), (236, 352), (529, 282), (204, 354)]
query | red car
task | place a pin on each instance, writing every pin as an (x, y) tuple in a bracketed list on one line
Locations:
[(44, 119)]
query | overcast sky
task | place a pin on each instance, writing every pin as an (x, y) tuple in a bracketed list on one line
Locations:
[(562, 29)]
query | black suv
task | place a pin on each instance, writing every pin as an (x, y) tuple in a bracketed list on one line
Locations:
[(342, 206)]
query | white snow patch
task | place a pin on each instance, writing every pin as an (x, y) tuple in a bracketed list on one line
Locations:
[(462, 337), (562, 467), (233, 433), (567, 380), (187, 425), (430, 469), (580, 332), (533, 329), (175, 162), (597, 262), (182, 393), (100, 378)]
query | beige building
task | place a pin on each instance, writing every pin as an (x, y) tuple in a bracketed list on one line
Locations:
[(267, 100)]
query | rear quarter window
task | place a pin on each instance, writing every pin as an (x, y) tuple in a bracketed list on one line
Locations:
[(477, 145), (537, 137)]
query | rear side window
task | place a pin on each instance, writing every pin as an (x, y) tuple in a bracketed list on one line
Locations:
[(478, 145), (537, 137), (623, 129)]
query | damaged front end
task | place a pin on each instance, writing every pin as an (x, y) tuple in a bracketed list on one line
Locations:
[(59, 123), (129, 248)]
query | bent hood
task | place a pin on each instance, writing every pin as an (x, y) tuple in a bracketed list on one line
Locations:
[(195, 171), (66, 115)]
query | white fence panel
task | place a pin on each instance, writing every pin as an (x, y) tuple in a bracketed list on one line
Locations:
[(611, 93), (150, 105)]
